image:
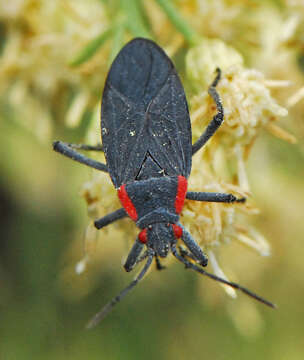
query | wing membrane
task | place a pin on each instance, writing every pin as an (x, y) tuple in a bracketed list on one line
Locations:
[(144, 110)]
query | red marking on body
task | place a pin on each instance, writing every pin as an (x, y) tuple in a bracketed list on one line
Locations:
[(127, 203), (178, 231), (181, 193), (142, 236)]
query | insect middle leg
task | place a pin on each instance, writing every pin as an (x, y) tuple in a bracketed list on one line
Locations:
[(217, 119), (110, 218), (213, 197), (68, 151)]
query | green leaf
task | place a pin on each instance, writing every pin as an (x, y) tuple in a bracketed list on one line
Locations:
[(91, 48), (135, 19), (178, 21), (117, 42)]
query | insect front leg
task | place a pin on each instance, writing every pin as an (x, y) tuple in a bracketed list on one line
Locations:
[(68, 151), (159, 266), (217, 119), (213, 197), (186, 253), (194, 248), (134, 255)]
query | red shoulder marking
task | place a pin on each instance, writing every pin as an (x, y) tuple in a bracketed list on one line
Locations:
[(126, 202), (181, 193)]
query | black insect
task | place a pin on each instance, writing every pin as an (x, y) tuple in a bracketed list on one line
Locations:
[(147, 141)]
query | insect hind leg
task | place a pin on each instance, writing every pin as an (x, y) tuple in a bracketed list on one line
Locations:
[(68, 151), (217, 119)]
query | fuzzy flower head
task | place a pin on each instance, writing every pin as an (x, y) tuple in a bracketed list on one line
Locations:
[(218, 167), (34, 71), (247, 101)]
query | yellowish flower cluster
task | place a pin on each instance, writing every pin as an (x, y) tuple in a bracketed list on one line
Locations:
[(249, 107), (55, 57), (36, 81)]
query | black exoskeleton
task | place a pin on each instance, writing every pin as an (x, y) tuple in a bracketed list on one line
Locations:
[(147, 141)]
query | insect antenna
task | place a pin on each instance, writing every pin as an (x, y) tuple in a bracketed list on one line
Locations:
[(236, 286), (108, 307)]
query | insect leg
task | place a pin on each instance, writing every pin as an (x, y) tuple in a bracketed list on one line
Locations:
[(66, 150), (236, 286), (186, 253), (159, 266), (110, 218), (213, 197), (217, 119), (134, 255), (84, 147), (108, 307), (194, 247)]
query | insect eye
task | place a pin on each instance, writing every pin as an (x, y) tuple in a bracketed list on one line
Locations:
[(142, 236), (178, 231)]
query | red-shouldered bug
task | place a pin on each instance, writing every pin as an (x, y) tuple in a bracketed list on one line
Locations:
[(147, 141)]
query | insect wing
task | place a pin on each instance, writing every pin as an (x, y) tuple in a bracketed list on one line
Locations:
[(144, 110), (169, 128)]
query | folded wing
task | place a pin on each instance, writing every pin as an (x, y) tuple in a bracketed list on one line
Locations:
[(144, 110)]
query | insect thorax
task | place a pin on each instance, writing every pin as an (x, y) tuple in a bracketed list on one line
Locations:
[(154, 200)]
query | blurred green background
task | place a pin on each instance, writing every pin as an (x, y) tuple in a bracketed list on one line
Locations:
[(44, 305)]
